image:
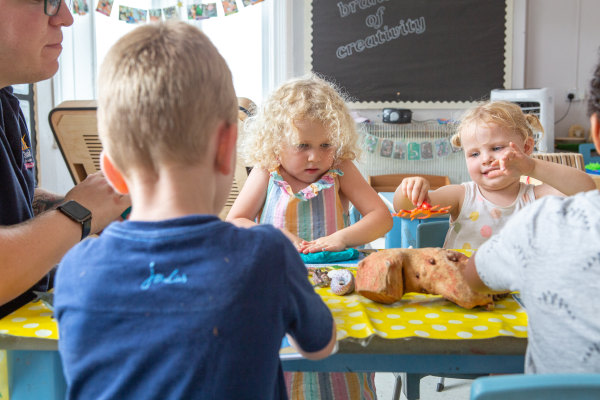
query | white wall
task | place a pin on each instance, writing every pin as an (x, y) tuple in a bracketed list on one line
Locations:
[(563, 37)]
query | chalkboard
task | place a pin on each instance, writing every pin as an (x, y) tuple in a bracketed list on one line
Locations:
[(411, 51)]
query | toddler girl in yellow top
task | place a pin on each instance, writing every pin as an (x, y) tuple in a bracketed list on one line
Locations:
[(302, 144), (497, 140)]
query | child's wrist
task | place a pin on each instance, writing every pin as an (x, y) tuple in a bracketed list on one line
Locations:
[(532, 170)]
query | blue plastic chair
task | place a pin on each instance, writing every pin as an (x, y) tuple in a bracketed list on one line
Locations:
[(537, 387), (588, 150)]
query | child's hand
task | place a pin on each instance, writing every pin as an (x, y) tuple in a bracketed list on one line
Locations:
[(325, 243), (416, 189), (514, 162), (296, 240)]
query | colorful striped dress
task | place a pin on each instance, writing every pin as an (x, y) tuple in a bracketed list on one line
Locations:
[(314, 212)]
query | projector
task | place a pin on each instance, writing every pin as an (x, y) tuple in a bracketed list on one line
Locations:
[(397, 115)]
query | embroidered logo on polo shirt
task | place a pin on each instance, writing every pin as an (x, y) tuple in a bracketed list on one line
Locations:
[(27, 156)]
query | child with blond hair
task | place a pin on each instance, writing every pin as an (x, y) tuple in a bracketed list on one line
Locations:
[(175, 303), (497, 140), (549, 253), (302, 144)]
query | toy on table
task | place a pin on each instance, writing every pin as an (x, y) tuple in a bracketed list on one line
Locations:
[(322, 257), (425, 208), (339, 279), (593, 168)]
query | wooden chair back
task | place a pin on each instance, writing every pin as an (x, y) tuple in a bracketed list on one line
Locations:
[(246, 109), (75, 129), (574, 160), (74, 126), (389, 183)]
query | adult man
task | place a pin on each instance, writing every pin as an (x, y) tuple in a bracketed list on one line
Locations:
[(30, 43)]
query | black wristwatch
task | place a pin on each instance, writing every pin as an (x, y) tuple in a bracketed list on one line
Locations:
[(78, 213)]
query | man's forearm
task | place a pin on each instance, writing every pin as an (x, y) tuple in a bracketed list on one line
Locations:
[(30, 249), (44, 200)]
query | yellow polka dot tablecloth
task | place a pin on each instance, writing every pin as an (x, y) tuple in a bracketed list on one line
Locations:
[(421, 315), (32, 320)]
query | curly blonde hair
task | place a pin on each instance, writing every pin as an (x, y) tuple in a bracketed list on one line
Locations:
[(307, 98), (502, 113)]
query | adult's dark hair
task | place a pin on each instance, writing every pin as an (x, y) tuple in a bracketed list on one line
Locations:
[(594, 101)]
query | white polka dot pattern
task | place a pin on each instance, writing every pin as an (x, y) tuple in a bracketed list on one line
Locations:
[(420, 315)]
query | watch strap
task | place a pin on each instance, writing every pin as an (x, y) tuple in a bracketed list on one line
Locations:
[(86, 227)]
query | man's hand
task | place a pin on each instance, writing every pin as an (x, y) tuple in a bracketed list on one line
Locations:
[(96, 194)]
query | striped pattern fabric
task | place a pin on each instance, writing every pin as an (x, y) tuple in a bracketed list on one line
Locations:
[(330, 385), (313, 212)]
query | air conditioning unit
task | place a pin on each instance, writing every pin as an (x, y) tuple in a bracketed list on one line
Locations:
[(533, 101)]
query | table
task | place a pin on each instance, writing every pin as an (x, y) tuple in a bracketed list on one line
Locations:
[(419, 335), (422, 335)]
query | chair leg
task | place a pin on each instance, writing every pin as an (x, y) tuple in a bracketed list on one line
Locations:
[(412, 383), (397, 386), (440, 385)]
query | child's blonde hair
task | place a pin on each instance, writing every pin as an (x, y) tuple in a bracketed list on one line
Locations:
[(163, 90), (310, 98), (505, 114)]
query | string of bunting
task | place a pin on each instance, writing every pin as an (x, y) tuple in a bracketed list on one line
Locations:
[(409, 149), (194, 10)]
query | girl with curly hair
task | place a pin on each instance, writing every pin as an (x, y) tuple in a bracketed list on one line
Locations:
[(302, 144)]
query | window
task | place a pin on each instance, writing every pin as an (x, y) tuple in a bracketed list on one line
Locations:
[(248, 40)]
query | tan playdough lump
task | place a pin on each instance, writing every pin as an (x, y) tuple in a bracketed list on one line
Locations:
[(386, 275)]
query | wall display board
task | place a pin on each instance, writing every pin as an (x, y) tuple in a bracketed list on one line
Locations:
[(411, 52)]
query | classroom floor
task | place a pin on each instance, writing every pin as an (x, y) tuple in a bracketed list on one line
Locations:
[(454, 389)]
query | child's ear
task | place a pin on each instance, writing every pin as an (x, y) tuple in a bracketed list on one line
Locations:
[(113, 175), (595, 130), (226, 146), (529, 146)]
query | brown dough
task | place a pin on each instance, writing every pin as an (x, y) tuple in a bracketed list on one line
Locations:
[(386, 275)]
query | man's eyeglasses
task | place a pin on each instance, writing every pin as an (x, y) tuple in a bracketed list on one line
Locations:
[(51, 7)]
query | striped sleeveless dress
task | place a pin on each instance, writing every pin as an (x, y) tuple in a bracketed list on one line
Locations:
[(313, 212)]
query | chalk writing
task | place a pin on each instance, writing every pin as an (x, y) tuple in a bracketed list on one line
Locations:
[(350, 7), (382, 36), (375, 20), (156, 278)]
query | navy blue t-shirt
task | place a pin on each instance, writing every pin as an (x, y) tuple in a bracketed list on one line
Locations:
[(17, 181), (187, 308)]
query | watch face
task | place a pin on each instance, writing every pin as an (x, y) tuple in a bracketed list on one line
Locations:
[(76, 210)]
